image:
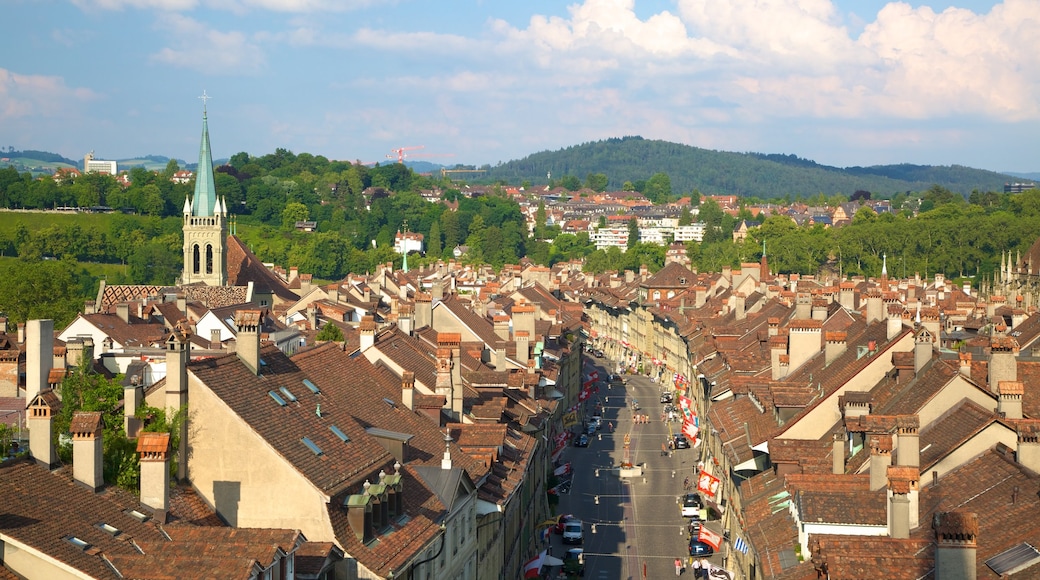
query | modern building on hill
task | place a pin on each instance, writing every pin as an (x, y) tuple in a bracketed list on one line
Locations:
[(91, 165)]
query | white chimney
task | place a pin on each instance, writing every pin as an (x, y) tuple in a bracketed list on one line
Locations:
[(155, 472), (87, 458), (248, 340), (956, 536), (41, 411), (39, 356)]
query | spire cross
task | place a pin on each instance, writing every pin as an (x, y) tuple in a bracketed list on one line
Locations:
[(204, 98)]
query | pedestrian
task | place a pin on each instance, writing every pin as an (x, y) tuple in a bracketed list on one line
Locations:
[(664, 449), (610, 427), (678, 566), (696, 567), (686, 484)]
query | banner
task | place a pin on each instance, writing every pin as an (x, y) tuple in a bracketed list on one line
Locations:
[(690, 430), (686, 404), (740, 545), (533, 567), (707, 483), (570, 419), (584, 394), (562, 437), (563, 469), (709, 537)]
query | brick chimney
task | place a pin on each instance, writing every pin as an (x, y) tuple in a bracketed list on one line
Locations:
[(956, 535), (87, 459), (41, 411), (903, 508), (247, 343), (155, 472), (368, 332), (880, 459), (408, 389), (39, 356), (1009, 401), (177, 354)]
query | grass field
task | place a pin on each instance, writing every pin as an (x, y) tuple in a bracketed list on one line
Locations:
[(35, 220)]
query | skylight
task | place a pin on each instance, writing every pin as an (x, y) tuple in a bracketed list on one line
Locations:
[(110, 529), (287, 394), (277, 398), (339, 433), (310, 445), (313, 388), (81, 544), (138, 515)]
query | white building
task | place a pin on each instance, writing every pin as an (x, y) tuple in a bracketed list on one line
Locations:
[(606, 237), (691, 233), (91, 165), (408, 242)]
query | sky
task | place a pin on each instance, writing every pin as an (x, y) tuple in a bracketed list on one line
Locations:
[(841, 82)]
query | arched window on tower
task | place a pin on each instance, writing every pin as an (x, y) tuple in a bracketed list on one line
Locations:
[(196, 259), (209, 259)]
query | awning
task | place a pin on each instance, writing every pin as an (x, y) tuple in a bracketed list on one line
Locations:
[(763, 446), (556, 394), (486, 507), (552, 561)]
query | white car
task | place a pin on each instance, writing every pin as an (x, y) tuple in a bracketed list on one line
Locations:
[(691, 505), (573, 532)]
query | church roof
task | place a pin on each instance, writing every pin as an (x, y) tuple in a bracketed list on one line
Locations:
[(205, 197), (244, 267)]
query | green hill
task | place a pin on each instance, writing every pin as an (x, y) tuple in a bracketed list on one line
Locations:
[(747, 174)]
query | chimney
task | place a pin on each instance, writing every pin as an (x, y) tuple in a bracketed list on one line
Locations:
[(446, 460), (880, 459), (131, 402), (247, 343), (177, 354), (835, 345), (875, 306), (965, 364), (956, 534), (523, 318), (39, 355), (903, 514), (86, 449), (1003, 365), (443, 385), (312, 317), (700, 295), (739, 308), (366, 294), (1028, 453), (501, 322), (778, 359), (922, 349), (437, 291), (804, 341), (847, 295), (895, 324), (123, 312), (89, 307), (908, 443), (182, 304), (155, 473), (523, 344), (838, 453), (630, 276), (803, 306), (404, 318), (452, 342), (41, 411), (423, 310), (1009, 403), (500, 355), (368, 332), (214, 338), (408, 389)]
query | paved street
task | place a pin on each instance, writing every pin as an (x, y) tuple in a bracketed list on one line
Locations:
[(639, 528)]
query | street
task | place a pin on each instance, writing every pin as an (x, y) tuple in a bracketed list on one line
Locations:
[(633, 527)]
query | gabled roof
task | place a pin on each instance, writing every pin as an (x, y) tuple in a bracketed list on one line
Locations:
[(244, 267), (672, 275)]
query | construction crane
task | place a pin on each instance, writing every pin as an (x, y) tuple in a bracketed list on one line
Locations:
[(399, 153)]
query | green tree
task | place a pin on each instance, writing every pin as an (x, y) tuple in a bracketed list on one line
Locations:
[(294, 212), (633, 232), (658, 188), (330, 332), (434, 247), (596, 182)]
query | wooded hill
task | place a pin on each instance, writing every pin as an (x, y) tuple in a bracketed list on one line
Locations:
[(745, 174)]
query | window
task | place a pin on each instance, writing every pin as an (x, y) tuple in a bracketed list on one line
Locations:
[(311, 386), (310, 445), (196, 258), (287, 394), (277, 398), (209, 259), (339, 433)]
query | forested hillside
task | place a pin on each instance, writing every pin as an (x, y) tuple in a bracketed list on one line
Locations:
[(746, 174)]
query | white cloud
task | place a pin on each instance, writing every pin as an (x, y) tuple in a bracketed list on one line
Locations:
[(167, 5), (24, 96), (207, 50)]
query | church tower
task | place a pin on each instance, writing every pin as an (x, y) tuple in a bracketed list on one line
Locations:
[(205, 222)]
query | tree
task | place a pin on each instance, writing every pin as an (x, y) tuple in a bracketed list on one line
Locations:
[(433, 240), (633, 232), (658, 188), (154, 263), (294, 212), (330, 332), (596, 182), (685, 216)]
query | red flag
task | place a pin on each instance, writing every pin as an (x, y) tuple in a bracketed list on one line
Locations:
[(690, 430), (686, 404), (584, 394), (707, 483), (533, 567), (709, 537)]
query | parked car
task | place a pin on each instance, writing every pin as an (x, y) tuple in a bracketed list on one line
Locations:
[(581, 440), (666, 397), (596, 423), (574, 562), (598, 353), (699, 548), (691, 505), (573, 532), (681, 442), (590, 429)]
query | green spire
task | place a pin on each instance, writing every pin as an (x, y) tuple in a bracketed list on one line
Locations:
[(205, 190)]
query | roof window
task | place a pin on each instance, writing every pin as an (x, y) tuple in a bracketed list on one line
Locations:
[(311, 386), (287, 394), (277, 398), (339, 433), (312, 446)]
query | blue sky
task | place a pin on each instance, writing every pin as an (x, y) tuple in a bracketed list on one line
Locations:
[(842, 82)]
